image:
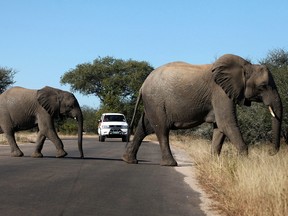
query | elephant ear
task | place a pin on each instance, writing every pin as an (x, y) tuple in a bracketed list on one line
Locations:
[(228, 72), (49, 99)]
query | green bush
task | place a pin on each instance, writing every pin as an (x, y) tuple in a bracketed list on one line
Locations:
[(90, 123), (68, 127)]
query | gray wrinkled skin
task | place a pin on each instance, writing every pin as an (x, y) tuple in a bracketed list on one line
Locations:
[(179, 95), (23, 109)]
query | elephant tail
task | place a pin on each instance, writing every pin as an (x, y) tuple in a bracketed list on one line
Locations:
[(130, 129)]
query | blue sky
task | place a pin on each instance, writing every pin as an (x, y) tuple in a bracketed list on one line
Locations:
[(43, 39)]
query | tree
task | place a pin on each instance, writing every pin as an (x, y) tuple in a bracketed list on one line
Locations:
[(115, 81), (6, 78), (277, 58), (90, 119), (70, 126)]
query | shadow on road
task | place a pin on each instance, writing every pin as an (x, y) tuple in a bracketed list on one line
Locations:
[(141, 162)]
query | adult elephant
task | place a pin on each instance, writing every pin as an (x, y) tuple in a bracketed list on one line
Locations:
[(22, 109), (180, 96)]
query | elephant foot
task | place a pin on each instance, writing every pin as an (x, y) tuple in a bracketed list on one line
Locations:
[(128, 159), (17, 153), (243, 152), (273, 152), (37, 155), (166, 162), (61, 154)]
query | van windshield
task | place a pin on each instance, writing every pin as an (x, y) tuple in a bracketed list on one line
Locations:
[(117, 118)]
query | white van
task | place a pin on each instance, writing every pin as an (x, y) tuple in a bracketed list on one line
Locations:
[(113, 125)]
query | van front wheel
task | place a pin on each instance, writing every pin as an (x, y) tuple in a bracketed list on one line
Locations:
[(101, 138)]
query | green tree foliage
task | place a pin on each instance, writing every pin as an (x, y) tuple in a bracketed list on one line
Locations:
[(70, 126), (67, 126), (255, 123), (6, 78), (115, 81), (90, 119)]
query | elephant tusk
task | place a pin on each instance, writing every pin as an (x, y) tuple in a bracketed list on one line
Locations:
[(271, 111)]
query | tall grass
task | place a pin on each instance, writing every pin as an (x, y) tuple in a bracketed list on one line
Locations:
[(20, 137), (253, 185)]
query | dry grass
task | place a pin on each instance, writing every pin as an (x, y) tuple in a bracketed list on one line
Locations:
[(30, 137), (21, 137), (256, 185)]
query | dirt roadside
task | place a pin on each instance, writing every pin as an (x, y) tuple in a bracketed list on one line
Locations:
[(186, 166)]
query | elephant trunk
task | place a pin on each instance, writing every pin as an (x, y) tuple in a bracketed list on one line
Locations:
[(79, 118), (275, 108)]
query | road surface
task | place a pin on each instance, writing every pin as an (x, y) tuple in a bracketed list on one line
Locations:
[(101, 184)]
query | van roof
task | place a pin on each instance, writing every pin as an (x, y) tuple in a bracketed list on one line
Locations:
[(112, 114)]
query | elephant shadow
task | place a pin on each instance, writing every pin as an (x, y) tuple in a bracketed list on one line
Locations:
[(143, 162)]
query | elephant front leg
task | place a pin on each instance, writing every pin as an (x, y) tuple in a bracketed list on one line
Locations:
[(225, 116), (47, 129), (15, 151), (60, 152), (235, 137)]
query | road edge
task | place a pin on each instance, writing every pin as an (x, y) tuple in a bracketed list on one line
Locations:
[(186, 167)]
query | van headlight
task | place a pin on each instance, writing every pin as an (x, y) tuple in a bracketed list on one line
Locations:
[(124, 126)]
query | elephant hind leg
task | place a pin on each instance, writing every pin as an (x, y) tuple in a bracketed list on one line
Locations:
[(167, 157), (217, 141), (143, 129), (15, 151)]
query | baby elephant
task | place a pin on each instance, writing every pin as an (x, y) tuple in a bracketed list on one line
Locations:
[(23, 109)]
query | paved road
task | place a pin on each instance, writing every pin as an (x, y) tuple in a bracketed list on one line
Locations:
[(100, 184)]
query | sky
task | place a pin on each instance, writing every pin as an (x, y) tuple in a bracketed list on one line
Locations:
[(43, 39)]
